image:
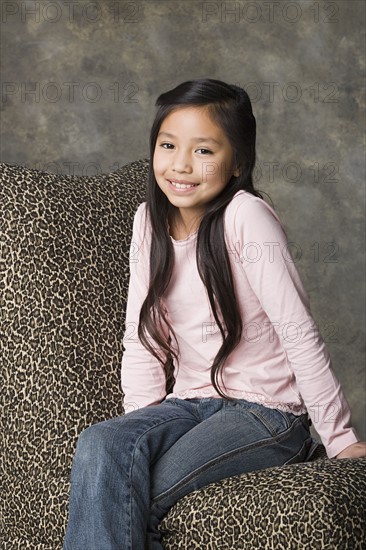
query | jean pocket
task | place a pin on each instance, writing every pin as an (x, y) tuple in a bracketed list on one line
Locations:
[(274, 420)]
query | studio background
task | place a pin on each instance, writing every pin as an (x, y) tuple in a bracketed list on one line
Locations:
[(79, 84)]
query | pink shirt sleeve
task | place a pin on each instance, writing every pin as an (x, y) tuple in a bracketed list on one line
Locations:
[(266, 260), (142, 376)]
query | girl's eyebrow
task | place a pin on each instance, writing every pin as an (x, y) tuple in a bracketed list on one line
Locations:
[(196, 140)]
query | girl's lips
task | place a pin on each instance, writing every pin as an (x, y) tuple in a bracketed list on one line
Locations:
[(182, 187)]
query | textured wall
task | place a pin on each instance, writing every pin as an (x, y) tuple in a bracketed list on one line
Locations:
[(79, 82)]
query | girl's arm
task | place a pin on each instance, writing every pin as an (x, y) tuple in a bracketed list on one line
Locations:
[(277, 285), (143, 379)]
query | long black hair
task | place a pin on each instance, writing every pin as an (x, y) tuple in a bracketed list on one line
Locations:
[(229, 107)]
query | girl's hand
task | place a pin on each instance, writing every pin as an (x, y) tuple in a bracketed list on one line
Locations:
[(356, 450)]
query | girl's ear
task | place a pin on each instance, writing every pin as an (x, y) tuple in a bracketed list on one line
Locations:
[(237, 172)]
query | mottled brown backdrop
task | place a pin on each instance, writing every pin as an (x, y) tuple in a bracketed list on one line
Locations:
[(79, 82)]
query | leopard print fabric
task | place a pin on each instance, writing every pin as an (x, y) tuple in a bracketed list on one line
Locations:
[(64, 246), (315, 505)]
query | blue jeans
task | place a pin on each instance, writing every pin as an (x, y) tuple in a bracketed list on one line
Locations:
[(130, 470)]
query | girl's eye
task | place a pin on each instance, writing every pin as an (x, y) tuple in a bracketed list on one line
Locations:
[(207, 151), (170, 145)]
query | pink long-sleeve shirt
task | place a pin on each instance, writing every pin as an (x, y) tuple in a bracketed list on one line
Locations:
[(281, 361)]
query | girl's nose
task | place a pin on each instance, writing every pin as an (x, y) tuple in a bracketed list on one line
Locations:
[(181, 163)]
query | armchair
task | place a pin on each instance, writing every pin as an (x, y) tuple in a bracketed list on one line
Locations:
[(64, 248)]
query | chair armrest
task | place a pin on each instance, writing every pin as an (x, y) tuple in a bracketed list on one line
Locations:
[(318, 504)]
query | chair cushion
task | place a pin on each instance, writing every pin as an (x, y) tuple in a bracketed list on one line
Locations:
[(314, 505), (64, 247)]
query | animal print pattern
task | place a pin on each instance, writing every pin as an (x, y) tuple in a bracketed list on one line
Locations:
[(64, 247), (306, 506)]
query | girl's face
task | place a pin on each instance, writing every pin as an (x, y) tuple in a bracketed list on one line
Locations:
[(193, 160)]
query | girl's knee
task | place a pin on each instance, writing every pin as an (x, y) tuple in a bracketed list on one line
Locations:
[(94, 440)]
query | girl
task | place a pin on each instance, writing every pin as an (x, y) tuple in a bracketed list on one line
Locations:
[(223, 362)]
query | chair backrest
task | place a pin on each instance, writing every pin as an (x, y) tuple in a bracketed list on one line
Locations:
[(64, 249)]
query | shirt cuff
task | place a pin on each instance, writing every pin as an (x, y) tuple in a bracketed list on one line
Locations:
[(341, 442)]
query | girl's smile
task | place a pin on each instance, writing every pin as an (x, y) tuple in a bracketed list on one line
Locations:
[(182, 186)]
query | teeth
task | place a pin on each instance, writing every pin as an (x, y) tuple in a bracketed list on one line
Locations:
[(183, 185)]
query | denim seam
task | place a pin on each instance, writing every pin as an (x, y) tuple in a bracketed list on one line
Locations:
[(297, 454), (265, 422), (129, 506), (286, 419), (159, 423), (195, 410), (262, 443)]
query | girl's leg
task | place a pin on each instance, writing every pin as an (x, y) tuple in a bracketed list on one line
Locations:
[(110, 480), (232, 438)]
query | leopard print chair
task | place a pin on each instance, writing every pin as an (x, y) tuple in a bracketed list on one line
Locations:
[(64, 247)]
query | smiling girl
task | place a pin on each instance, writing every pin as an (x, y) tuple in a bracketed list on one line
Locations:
[(226, 368)]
